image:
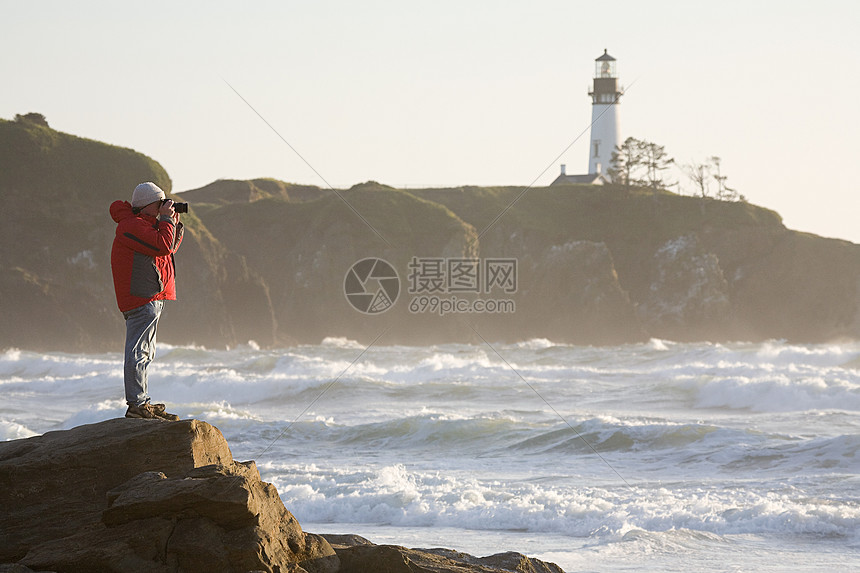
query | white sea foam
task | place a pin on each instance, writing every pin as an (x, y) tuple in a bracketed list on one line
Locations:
[(14, 431), (661, 447), (341, 342), (780, 395), (536, 344), (397, 495), (104, 410)]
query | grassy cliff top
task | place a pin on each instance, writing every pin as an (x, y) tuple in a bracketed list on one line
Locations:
[(69, 170), (599, 213), (588, 212), (61, 186)]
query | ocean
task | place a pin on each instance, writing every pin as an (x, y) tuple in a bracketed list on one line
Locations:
[(658, 456)]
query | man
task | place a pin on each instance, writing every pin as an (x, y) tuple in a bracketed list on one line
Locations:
[(148, 232)]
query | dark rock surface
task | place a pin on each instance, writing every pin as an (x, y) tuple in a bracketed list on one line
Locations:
[(358, 555), (145, 495), (132, 495)]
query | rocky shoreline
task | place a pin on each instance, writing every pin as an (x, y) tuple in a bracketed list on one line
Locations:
[(128, 495)]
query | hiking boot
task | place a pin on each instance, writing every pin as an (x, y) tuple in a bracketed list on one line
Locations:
[(142, 411), (158, 410), (151, 411)]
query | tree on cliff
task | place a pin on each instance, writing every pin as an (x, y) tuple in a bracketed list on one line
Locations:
[(32, 117), (724, 192), (639, 162), (656, 161), (701, 174), (698, 174), (625, 160)]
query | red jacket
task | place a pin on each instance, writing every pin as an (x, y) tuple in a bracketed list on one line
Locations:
[(142, 257)]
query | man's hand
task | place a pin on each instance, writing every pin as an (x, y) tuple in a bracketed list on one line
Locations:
[(166, 208)]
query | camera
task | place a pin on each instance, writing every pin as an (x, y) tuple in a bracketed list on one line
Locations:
[(178, 207)]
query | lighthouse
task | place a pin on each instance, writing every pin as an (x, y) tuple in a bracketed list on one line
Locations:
[(605, 95)]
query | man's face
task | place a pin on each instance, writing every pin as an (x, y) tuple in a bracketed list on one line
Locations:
[(151, 209)]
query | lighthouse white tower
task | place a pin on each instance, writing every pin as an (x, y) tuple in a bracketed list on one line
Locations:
[(605, 96)]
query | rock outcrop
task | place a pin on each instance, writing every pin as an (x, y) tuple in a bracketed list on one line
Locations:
[(573, 294), (130, 495), (358, 555), (692, 268), (688, 290)]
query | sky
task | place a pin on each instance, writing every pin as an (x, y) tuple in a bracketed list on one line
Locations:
[(451, 93)]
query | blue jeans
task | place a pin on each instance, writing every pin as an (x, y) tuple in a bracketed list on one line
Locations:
[(140, 326)]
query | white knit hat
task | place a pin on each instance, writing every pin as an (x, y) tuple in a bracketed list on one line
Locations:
[(146, 193)]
